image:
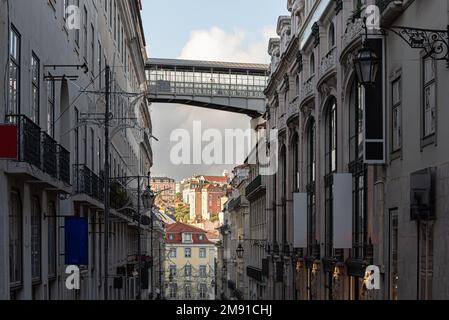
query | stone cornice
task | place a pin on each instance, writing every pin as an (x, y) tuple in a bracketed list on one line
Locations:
[(287, 59)]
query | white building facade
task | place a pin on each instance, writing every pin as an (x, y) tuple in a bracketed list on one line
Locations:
[(53, 90)]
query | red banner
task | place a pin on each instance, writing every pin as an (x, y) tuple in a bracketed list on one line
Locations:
[(8, 142)]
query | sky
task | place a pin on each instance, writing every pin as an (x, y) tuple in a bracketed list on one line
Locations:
[(218, 30)]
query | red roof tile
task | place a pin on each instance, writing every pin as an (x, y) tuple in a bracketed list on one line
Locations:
[(177, 229)]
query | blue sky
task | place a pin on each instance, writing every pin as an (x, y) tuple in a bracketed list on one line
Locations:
[(168, 23), (220, 30)]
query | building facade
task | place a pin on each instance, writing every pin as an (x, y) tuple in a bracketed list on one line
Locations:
[(166, 190), (52, 97), (190, 264), (361, 180)]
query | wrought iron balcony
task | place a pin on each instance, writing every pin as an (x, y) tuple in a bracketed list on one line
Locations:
[(49, 155), (254, 273), (63, 164), (86, 182), (29, 139), (254, 186)]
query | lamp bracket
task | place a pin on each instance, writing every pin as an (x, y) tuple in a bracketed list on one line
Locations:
[(434, 42)]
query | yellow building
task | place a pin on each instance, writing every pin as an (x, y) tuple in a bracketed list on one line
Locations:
[(190, 264)]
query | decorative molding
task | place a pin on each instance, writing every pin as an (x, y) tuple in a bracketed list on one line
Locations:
[(354, 29), (338, 6), (329, 61)]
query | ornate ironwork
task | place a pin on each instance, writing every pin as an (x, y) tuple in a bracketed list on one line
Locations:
[(434, 42)]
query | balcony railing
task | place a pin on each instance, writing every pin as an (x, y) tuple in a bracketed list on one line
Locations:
[(49, 155), (254, 186), (87, 182), (353, 30), (63, 164), (329, 61), (307, 87), (37, 148), (29, 139)]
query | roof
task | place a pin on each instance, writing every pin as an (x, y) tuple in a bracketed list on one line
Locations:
[(220, 179), (208, 64), (177, 229)]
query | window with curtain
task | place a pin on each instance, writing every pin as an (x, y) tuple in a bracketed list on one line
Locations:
[(14, 71)]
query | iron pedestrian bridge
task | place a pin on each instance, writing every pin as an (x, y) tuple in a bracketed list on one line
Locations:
[(233, 87)]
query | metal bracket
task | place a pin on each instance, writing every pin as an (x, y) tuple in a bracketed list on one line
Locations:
[(434, 42)]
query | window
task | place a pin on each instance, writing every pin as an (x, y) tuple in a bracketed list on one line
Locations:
[(312, 64), (429, 92), (202, 252), (331, 36), (331, 167), (52, 238), (92, 149), (425, 263), (295, 151), (173, 252), (77, 31), (51, 107), (85, 34), (171, 237), (14, 72), (173, 290), (396, 115), (203, 271), (188, 271), (15, 240), (188, 292), (311, 193), (201, 237), (35, 90), (187, 237), (36, 239), (358, 170), (394, 242), (203, 291), (172, 271), (187, 252), (92, 48)]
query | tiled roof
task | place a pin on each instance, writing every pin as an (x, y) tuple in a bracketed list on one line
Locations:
[(177, 229)]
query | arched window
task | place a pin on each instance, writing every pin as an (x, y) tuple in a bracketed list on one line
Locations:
[(331, 36), (283, 185), (312, 247), (312, 64), (295, 161), (297, 86), (358, 170), (330, 168)]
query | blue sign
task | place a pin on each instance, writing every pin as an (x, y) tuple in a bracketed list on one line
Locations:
[(76, 241)]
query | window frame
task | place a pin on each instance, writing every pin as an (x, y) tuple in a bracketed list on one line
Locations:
[(428, 138), (14, 61), (394, 106), (16, 283)]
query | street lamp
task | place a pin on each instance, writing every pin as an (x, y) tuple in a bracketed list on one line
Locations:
[(366, 64), (148, 199), (240, 251)]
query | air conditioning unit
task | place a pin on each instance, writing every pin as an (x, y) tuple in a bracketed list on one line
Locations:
[(422, 195)]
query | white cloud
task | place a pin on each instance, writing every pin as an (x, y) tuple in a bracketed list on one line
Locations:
[(217, 44)]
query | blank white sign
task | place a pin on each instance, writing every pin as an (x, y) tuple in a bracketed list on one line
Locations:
[(300, 220), (342, 211)]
